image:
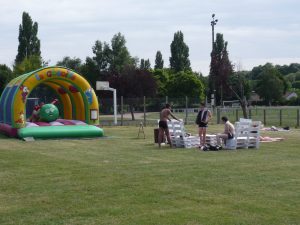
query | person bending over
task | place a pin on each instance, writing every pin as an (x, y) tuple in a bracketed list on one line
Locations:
[(163, 124)]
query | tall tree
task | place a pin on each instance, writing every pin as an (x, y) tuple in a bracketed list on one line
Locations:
[(103, 55), (71, 63), (134, 83), (28, 64), (271, 85), (179, 60), (240, 87), (145, 64), (185, 83), (220, 70), (114, 58), (159, 62), (90, 71), (29, 44), (120, 57), (162, 78)]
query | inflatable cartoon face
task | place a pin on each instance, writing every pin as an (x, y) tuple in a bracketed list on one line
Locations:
[(48, 113)]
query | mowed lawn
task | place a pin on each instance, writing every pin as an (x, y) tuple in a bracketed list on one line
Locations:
[(121, 179)]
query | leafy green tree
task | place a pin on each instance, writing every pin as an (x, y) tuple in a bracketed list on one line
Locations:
[(120, 57), (256, 71), (240, 86), (162, 77), (29, 44), (134, 83), (90, 71), (296, 85), (204, 80), (71, 63), (103, 56), (287, 69), (271, 85), (145, 64), (179, 60), (185, 83), (28, 64), (159, 62), (220, 70), (5, 76), (111, 59)]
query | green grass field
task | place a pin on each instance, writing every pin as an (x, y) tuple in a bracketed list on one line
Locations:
[(121, 179)]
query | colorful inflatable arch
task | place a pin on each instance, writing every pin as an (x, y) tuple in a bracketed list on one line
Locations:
[(78, 99)]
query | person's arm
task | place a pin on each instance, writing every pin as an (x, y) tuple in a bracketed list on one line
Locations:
[(231, 129), (209, 116), (171, 114)]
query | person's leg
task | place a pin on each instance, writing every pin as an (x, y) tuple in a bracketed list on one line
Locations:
[(168, 137), (221, 136), (160, 136), (200, 135), (204, 136)]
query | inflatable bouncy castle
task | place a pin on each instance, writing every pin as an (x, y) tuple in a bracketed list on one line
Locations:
[(78, 116)]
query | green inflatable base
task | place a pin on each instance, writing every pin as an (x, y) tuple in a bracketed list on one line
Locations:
[(76, 131)]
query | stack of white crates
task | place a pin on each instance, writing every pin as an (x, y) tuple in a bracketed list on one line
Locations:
[(179, 137)]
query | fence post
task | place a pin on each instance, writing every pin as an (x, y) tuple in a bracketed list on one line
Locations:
[(144, 110), (122, 111), (218, 116), (236, 115), (265, 121), (280, 117), (186, 109), (298, 115)]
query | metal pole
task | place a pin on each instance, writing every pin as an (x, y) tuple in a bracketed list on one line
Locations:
[(298, 115), (280, 117), (186, 109), (144, 110), (122, 111), (115, 106), (213, 35)]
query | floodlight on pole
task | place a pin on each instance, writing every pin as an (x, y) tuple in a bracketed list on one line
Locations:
[(213, 23)]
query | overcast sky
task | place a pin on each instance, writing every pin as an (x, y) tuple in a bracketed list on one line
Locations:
[(257, 31)]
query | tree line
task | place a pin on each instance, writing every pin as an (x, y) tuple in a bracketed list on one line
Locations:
[(134, 77)]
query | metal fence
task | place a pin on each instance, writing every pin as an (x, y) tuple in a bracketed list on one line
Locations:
[(133, 111)]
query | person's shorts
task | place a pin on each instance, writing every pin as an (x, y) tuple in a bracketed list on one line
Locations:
[(230, 136), (203, 125), (163, 124)]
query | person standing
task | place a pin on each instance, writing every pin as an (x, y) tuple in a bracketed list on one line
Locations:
[(229, 131), (163, 124), (203, 117)]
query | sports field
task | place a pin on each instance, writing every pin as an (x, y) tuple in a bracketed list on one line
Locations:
[(121, 179)]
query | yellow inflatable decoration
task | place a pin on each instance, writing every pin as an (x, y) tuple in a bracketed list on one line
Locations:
[(77, 97)]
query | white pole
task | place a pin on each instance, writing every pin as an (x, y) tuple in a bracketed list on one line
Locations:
[(115, 106)]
